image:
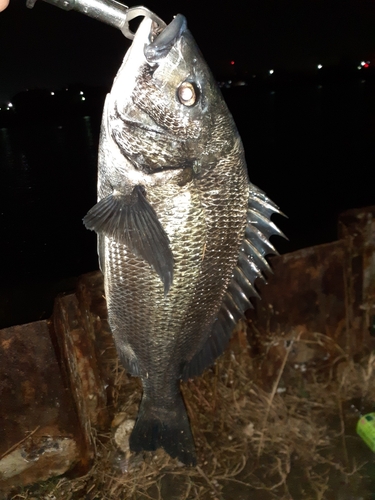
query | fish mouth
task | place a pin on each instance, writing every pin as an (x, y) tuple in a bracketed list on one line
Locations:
[(130, 115), (163, 43), (147, 51)]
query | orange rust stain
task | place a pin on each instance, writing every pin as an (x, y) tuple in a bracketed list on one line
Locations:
[(28, 391), (6, 343)]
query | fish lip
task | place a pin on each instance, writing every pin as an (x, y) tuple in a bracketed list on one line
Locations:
[(163, 43)]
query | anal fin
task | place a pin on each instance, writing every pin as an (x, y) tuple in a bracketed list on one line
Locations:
[(212, 349)]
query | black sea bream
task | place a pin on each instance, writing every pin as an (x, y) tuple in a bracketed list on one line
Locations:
[(182, 233)]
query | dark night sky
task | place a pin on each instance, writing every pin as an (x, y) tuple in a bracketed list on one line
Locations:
[(47, 47), (323, 138)]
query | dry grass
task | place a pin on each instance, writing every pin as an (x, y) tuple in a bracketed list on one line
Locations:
[(290, 442)]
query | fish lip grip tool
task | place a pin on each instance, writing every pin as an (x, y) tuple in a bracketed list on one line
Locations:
[(110, 12)]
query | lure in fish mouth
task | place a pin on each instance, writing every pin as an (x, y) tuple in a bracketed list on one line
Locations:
[(182, 233)]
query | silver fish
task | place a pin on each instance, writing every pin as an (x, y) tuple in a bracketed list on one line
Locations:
[(182, 233)]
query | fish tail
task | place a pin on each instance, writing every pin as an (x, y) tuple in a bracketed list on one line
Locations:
[(158, 427)]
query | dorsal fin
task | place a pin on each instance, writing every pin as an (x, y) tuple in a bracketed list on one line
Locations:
[(251, 265)]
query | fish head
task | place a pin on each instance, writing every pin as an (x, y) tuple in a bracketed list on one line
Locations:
[(165, 110)]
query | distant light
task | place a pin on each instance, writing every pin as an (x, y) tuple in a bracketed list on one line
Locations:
[(83, 98), (366, 65), (320, 66), (359, 67), (232, 63), (81, 93), (254, 76), (363, 63), (52, 93), (66, 89), (10, 105), (271, 72)]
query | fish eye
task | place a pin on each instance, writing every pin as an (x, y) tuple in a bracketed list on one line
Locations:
[(187, 94)]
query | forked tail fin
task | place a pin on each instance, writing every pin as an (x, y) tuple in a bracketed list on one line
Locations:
[(156, 427)]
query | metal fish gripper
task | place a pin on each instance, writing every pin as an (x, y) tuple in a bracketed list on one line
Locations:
[(110, 12)]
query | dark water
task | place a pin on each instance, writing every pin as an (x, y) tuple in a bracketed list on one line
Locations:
[(311, 148)]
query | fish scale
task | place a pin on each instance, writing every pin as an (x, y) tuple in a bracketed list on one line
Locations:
[(222, 246), (147, 310), (182, 233)]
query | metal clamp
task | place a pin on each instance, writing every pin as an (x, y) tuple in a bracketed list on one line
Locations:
[(108, 11), (134, 12)]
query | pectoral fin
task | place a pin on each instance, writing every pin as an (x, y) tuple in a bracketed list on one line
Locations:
[(100, 250), (131, 220)]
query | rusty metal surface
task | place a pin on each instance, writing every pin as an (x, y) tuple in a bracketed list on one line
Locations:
[(38, 422), (81, 365), (307, 291), (323, 296), (357, 228), (317, 308), (56, 383), (93, 308)]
